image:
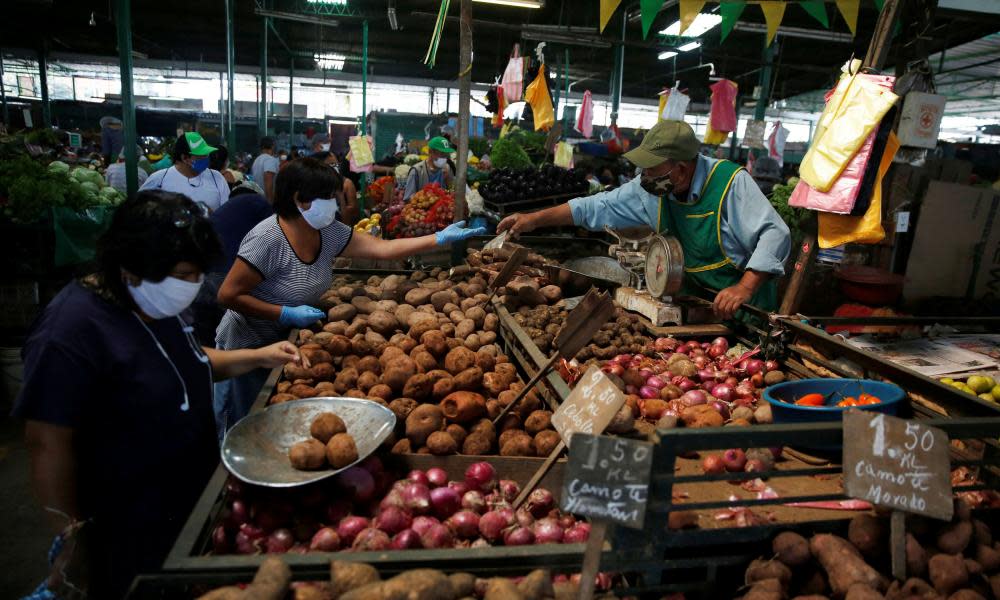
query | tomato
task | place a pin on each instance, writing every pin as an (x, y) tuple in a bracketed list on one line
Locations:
[(868, 399), (811, 400), (848, 401)]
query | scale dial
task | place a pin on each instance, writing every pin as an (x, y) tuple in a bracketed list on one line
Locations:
[(664, 266)]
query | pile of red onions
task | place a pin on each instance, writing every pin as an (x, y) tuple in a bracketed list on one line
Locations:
[(372, 512)]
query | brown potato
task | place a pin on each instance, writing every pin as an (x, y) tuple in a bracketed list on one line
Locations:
[(546, 441), (327, 425), (323, 371), (425, 361), (279, 398), (302, 391), (380, 391), (537, 421), (485, 427), (341, 450), (347, 379), (423, 421), (464, 329), (308, 455), (435, 342), (477, 444), (367, 380), (469, 379), (383, 322), (458, 432), (459, 359), (402, 446), (442, 443), (325, 388), (509, 434), (485, 360), (518, 446), (342, 312), (418, 387), (472, 342), (443, 387)]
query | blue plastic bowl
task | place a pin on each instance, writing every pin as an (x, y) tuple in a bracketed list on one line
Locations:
[(782, 398)]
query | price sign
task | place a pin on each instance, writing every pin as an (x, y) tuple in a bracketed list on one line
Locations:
[(897, 463), (608, 479), (590, 406)]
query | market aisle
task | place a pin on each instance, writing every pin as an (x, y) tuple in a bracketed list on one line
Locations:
[(22, 555)]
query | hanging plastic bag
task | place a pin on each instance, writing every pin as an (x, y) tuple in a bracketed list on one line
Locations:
[(585, 116), (564, 155), (513, 77), (713, 137), (722, 117), (836, 230), (676, 105), (840, 198), (537, 95), (776, 143), (361, 157), (858, 104)]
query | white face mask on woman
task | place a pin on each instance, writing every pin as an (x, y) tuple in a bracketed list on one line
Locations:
[(167, 298), (440, 162), (321, 213)]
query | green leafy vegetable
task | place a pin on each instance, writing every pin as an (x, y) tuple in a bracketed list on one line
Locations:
[(508, 154)]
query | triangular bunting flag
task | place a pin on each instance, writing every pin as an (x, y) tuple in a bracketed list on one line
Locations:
[(730, 13), (689, 10), (816, 8), (849, 10), (773, 11), (648, 9), (608, 8)]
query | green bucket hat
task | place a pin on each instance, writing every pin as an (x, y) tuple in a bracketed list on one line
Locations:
[(197, 144), (667, 140), (441, 144)]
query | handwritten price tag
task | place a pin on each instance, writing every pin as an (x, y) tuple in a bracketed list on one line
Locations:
[(608, 479), (897, 463), (590, 406)]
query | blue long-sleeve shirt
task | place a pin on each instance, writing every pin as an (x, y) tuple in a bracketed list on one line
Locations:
[(753, 235)]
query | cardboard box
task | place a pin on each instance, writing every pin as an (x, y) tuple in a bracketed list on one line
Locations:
[(956, 246)]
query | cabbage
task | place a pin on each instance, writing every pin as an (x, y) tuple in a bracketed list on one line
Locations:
[(89, 187), (411, 159), (109, 195), (83, 174), (57, 166), (402, 172)]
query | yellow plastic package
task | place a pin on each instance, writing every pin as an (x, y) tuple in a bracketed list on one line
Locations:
[(564, 155), (537, 95), (835, 230), (851, 114)]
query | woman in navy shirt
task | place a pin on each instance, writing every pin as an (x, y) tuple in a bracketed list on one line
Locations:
[(117, 397)]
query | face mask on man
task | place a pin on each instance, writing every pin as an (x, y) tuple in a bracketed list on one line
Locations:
[(167, 298), (440, 162), (199, 165), (321, 213), (657, 186), (325, 147)]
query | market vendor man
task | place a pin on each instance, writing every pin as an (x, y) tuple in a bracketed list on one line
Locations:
[(434, 169), (733, 239)]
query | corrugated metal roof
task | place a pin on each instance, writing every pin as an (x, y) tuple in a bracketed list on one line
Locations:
[(969, 75)]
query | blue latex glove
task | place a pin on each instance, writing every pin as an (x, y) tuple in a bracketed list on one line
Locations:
[(457, 232), (300, 316)]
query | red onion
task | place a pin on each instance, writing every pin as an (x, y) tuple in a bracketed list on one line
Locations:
[(393, 498), (744, 389), (299, 549), (692, 345), (693, 398), (406, 540), (492, 524), (392, 520), (509, 490), (417, 498), (358, 482), (460, 487), (312, 497), (771, 365), (495, 501), (540, 502), (548, 531), (746, 401), (245, 544), (252, 531), (465, 524), (631, 389), (684, 383), (373, 465), (722, 408), (304, 528), (734, 459), (418, 476), (721, 342), (444, 502), (716, 351), (657, 382), (700, 361), (776, 451), (279, 542), (325, 540), (437, 536), (481, 476), (524, 517), (712, 464), (614, 369), (754, 366), (723, 392), (475, 501), (731, 382), (698, 352), (682, 350), (350, 527), (646, 392), (645, 373), (422, 524), (371, 540), (238, 515), (566, 520), (706, 375), (234, 488), (220, 541), (437, 477), (518, 536), (664, 344), (757, 379), (269, 517)]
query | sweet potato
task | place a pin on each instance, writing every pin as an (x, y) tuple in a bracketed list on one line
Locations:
[(791, 548), (843, 565), (954, 538), (915, 586), (916, 557), (766, 589), (868, 534), (988, 557), (948, 572)]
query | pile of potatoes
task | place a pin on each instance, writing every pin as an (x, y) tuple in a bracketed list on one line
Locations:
[(623, 334), (529, 287), (953, 561), (423, 346)]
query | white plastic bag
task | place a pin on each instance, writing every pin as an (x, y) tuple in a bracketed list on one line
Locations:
[(513, 77), (676, 105)]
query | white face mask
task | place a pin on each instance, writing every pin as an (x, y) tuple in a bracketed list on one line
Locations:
[(320, 213), (325, 147), (167, 298), (440, 162)]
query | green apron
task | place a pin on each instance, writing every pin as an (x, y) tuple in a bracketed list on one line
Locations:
[(698, 226)]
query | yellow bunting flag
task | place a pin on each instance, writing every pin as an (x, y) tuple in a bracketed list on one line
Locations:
[(773, 11), (608, 8), (849, 10), (689, 10)]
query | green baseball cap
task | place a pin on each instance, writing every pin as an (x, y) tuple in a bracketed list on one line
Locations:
[(197, 144), (441, 144), (667, 140)]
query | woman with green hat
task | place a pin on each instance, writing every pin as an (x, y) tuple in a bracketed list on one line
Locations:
[(191, 174), (434, 169)]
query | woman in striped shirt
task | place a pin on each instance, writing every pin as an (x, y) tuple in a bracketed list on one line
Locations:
[(285, 264)]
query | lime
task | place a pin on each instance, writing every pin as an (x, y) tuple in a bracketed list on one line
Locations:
[(947, 380), (987, 396), (996, 392), (980, 383)]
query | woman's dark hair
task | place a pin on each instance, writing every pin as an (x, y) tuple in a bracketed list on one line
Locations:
[(307, 177), (217, 159), (149, 234), (181, 148)]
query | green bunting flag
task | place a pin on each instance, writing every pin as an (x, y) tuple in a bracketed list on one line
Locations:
[(648, 9), (431, 57), (817, 9), (730, 13)]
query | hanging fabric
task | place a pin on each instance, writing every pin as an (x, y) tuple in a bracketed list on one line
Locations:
[(722, 116), (776, 143), (431, 57), (537, 96), (585, 116), (513, 77)]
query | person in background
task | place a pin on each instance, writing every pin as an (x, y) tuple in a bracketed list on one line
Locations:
[(218, 160), (320, 143), (191, 175), (265, 167), (766, 173), (115, 173), (117, 399), (734, 242), (112, 138), (433, 170), (284, 265), (608, 178), (349, 210), (164, 162)]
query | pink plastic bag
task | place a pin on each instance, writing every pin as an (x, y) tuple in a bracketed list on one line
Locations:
[(723, 112), (840, 198)]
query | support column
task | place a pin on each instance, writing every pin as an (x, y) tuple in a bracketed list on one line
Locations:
[(262, 125), (733, 144), (230, 68), (464, 94), (43, 73), (364, 78), (3, 93), (291, 104), (565, 87), (617, 73), (764, 82), (123, 25)]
